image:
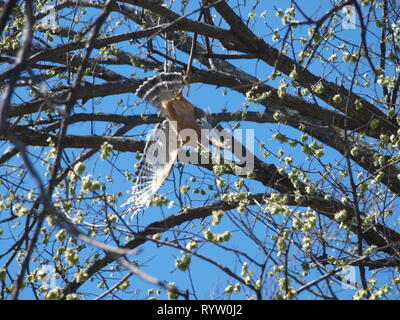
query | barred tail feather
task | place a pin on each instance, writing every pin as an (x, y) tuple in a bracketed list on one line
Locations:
[(162, 87)]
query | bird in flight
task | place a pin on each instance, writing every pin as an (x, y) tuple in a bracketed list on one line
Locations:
[(164, 143)]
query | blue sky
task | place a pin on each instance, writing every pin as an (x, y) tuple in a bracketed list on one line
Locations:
[(208, 280)]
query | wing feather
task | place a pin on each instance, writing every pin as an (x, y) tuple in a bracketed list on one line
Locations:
[(212, 133), (160, 153)]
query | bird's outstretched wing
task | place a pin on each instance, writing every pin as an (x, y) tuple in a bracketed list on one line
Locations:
[(159, 155)]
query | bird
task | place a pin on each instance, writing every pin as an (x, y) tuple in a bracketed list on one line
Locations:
[(163, 143)]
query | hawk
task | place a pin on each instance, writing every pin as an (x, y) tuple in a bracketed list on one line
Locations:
[(163, 143)]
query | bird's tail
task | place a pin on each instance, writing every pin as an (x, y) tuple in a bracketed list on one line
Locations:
[(162, 87)]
